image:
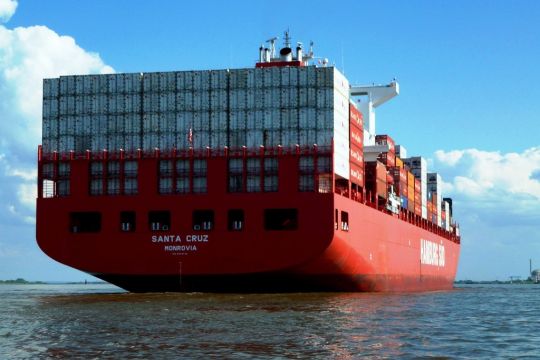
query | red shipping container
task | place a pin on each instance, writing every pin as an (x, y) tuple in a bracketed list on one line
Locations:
[(417, 185), (400, 181), (355, 117), (356, 136), (356, 156), (375, 170), (357, 174), (387, 158), (386, 140), (418, 208)]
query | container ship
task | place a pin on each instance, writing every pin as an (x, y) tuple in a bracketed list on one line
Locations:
[(269, 178)]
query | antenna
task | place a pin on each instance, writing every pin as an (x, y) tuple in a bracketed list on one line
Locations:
[(272, 42), (287, 39)]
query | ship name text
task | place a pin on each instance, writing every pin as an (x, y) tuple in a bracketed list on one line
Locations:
[(174, 238), (432, 253)]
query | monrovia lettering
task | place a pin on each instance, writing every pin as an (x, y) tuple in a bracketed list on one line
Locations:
[(180, 247)]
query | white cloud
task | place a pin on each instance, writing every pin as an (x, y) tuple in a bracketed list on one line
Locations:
[(7, 9), (27, 56), (485, 175)]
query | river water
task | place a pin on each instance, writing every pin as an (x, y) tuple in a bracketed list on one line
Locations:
[(104, 322)]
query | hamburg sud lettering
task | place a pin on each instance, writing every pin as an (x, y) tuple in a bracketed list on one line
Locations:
[(431, 253), (180, 243)]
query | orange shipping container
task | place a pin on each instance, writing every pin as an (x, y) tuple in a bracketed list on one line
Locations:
[(399, 162)]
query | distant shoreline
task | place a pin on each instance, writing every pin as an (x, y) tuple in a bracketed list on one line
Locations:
[(508, 282), (26, 282)]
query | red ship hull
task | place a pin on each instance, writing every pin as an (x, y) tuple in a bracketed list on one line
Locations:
[(373, 251)]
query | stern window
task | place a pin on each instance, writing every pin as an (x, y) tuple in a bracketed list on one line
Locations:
[(159, 220), (281, 219), (203, 220), (85, 222), (344, 221), (127, 221), (236, 220)]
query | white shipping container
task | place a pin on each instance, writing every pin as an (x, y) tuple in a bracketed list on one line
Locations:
[(237, 139), (50, 144), (79, 85), (254, 139), (270, 120), (307, 137), (133, 123), (322, 75), (132, 83), (197, 101), (151, 82), (182, 139), (150, 141), (51, 88), (218, 121), (66, 143), (114, 83), (218, 79), (289, 137), (218, 100), (218, 139), (201, 139), (184, 121), (205, 121), (324, 138), (169, 120), (293, 76), (238, 120), (150, 122), (189, 80), (289, 118), (67, 85), (90, 84), (205, 80), (255, 119), (325, 120), (276, 76), (340, 83), (238, 78), (285, 77), (238, 99), (401, 151), (167, 81), (341, 166), (271, 138), (167, 141)]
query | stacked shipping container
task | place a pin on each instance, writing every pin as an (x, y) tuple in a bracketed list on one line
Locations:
[(242, 107), (434, 183), (418, 166), (376, 179), (356, 157)]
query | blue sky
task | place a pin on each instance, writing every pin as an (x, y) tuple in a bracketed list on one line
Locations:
[(467, 69)]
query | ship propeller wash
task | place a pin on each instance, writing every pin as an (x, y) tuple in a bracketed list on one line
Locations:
[(270, 178)]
